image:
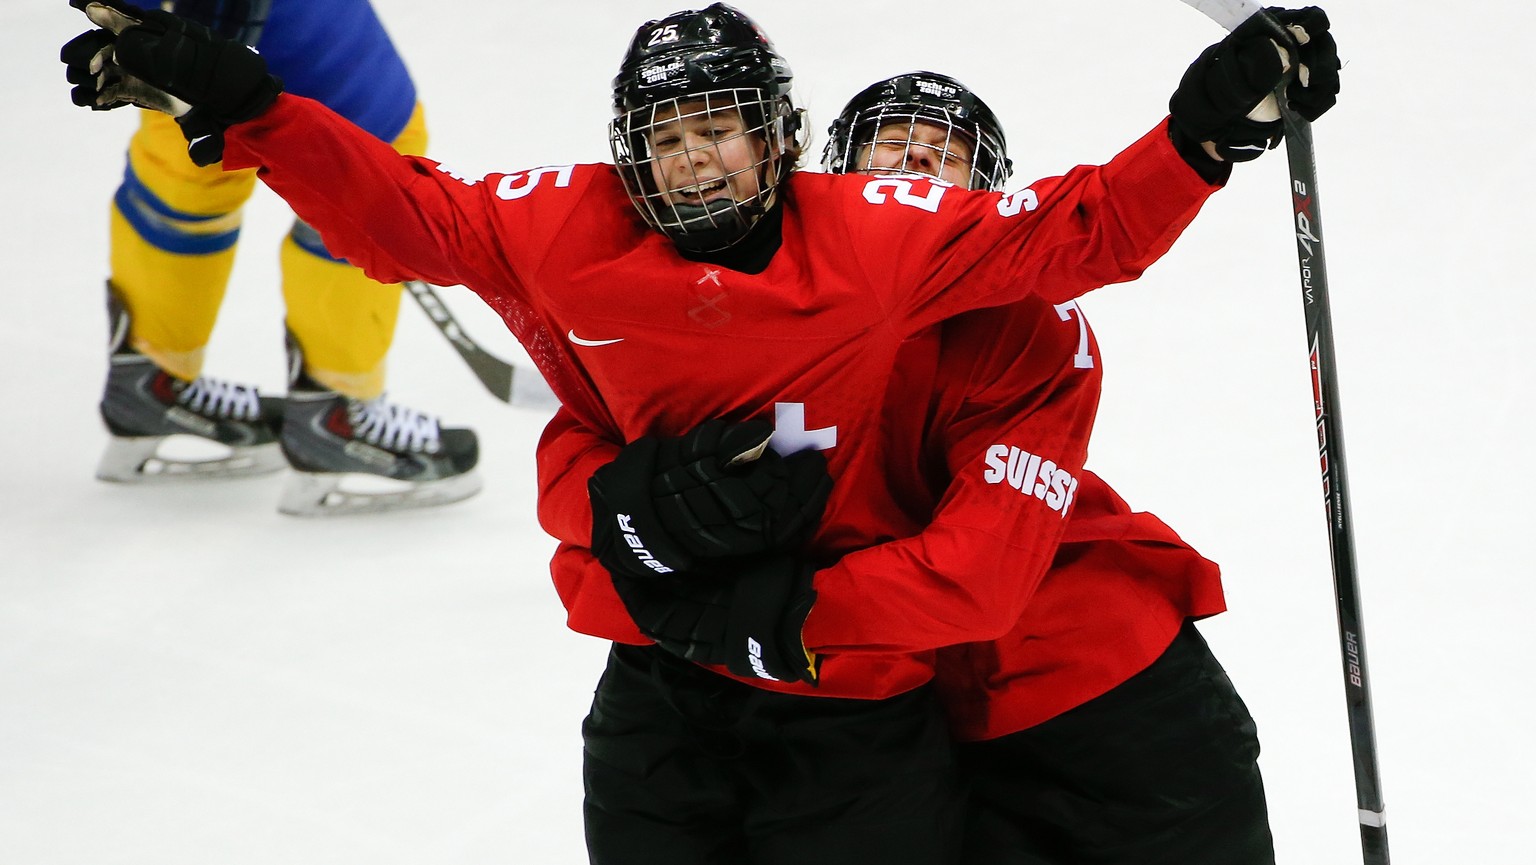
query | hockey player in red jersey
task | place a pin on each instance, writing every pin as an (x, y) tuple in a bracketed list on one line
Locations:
[(1099, 727), (1111, 608), (792, 301)]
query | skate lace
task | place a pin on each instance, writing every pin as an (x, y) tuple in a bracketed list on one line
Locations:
[(211, 397), (397, 427)]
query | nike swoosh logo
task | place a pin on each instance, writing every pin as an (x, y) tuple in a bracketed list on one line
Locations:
[(194, 142), (579, 341)]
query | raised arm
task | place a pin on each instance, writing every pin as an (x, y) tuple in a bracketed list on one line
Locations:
[(937, 251), (397, 217), (942, 251)]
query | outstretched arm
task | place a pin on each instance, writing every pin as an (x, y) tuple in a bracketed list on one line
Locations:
[(397, 217), (1094, 225)]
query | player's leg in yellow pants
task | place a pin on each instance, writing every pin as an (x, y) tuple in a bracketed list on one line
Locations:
[(174, 227), (174, 232)]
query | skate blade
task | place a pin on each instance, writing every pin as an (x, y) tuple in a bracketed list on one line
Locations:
[(162, 459), (313, 494)]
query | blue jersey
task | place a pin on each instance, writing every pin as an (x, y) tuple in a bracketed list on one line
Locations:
[(337, 53)]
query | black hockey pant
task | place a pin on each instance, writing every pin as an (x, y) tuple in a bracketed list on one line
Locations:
[(1159, 771), (686, 767)]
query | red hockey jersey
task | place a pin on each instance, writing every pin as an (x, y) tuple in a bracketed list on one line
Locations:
[(1040, 628), (637, 340), (1074, 613), (932, 580), (1118, 589)]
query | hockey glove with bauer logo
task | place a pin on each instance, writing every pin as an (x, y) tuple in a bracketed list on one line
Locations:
[(157, 60), (1221, 111), (748, 620), (666, 504)]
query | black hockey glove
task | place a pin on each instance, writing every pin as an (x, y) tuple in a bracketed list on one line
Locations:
[(159, 61), (749, 621), (665, 504), (1315, 88), (1218, 115), (721, 492)]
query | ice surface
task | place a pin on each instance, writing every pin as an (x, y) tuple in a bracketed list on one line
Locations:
[(188, 678)]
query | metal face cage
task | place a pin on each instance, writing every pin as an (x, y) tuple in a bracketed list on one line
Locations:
[(703, 168)]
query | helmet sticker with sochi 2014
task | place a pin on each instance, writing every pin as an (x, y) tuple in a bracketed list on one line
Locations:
[(662, 73)]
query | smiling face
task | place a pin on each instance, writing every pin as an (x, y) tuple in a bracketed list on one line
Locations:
[(704, 168), (703, 153), (918, 147)]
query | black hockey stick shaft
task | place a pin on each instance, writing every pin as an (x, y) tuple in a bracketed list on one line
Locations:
[(1308, 225), (1310, 256), (493, 372)]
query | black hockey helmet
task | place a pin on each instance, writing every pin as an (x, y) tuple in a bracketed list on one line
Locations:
[(699, 63), (925, 97), (241, 20), (692, 52)]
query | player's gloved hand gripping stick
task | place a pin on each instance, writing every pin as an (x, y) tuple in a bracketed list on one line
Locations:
[(1225, 107), (1304, 97)]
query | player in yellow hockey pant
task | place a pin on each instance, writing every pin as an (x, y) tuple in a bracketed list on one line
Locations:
[(175, 227)]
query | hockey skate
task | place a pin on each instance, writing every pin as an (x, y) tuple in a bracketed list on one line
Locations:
[(165, 429), (350, 456)]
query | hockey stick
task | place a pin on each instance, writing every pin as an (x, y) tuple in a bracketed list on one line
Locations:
[(498, 376), (1307, 212)]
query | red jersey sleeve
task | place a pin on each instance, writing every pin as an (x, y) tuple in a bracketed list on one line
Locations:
[(567, 455), (1019, 388), (397, 217), (1058, 238), (407, 217), (592, 606)]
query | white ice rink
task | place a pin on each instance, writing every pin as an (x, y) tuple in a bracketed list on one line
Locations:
[(188, 678)]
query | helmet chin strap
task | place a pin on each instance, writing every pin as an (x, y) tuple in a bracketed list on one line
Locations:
[(716, 225), (710, 211), (749, 252), (712, 225)]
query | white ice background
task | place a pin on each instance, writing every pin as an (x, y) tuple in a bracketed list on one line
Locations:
[(188, 678)]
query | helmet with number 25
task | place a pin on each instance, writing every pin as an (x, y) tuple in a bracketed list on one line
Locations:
[(704, 130)]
